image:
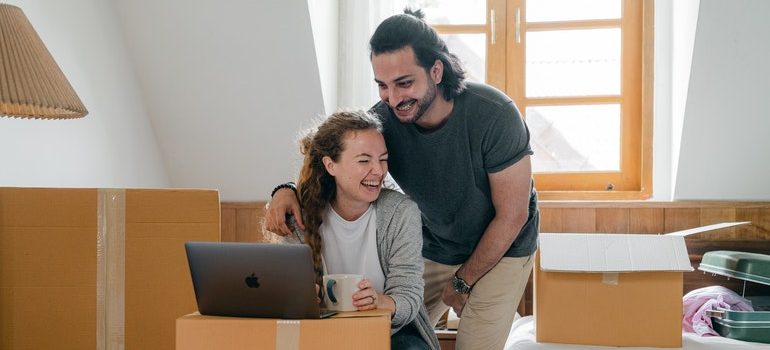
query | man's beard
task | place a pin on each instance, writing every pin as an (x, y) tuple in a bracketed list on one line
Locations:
[(422, 104)]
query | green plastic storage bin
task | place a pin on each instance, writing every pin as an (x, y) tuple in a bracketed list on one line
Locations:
[(751, 326)]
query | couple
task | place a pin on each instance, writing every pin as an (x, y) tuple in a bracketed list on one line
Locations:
[(461, 152)]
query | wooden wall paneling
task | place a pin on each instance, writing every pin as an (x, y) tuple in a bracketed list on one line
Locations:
[(612, 220), (646, 220), (578, 220), (710, 216), (249, 226), (760, 223), (550, 220), (681, 218), (228, 224)]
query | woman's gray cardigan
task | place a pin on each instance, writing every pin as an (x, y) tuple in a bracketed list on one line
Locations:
[(399, 246)]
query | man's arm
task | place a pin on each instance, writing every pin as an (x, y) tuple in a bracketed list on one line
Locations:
[(284, 203), (510, 189)]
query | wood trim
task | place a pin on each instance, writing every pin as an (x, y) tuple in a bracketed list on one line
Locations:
[(652, 204), (582, 195), (496, 53), (576, 100), (648, 79), (460, 28), (573, 25), (515, 64)]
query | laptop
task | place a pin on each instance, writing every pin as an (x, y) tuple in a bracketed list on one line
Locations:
[(254, 280)]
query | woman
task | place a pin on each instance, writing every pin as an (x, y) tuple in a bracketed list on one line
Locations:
[(355, 226)]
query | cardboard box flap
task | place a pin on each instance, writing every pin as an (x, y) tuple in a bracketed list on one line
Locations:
[(718, 226), (610, 252), (572, 252)]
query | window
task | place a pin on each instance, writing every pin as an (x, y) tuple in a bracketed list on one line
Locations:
[(580, 73)]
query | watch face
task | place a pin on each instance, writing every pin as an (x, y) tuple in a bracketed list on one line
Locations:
[(460, 286)]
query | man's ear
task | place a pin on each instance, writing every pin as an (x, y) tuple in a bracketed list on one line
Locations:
[(328, 164), (437, 71)]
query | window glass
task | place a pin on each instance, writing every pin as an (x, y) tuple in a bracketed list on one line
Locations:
[(452, 12), (566, 10), (573, 63), (581, 138), (471, 49)]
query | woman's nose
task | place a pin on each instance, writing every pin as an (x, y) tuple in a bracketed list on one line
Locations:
[(377, 168)]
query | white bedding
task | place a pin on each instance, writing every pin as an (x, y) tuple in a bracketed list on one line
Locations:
[(522, 337)]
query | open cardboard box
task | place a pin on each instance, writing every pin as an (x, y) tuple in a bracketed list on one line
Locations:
[(346, 330), (612, 289)]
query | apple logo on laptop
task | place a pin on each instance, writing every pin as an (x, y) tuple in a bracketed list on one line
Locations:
[(252, 281)]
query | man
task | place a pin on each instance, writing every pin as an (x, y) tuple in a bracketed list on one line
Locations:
[(461, 151)]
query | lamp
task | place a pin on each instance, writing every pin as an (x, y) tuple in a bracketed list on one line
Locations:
[(31, 83)]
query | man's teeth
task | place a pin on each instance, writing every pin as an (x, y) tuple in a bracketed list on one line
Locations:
[(405, 106)]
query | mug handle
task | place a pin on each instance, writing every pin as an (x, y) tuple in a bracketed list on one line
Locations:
[(329, 290)]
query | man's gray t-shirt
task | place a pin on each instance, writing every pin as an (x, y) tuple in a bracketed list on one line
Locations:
[(445, 171)]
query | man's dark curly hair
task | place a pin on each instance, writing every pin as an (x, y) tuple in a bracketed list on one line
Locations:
[(409, 29)]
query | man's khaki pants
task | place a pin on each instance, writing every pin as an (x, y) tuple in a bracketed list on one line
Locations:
[(487, 316)]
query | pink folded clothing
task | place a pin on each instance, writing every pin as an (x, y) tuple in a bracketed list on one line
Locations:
[(697, 302)]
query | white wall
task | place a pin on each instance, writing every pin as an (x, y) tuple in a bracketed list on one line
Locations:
[(228, 86), (114, 145), (324, 17), (685, 19), (725, 148), (661, 134)]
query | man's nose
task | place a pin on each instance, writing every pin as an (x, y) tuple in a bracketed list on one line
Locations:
[(393, 98)]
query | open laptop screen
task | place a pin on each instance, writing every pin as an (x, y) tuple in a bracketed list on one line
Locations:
[(253, 279)]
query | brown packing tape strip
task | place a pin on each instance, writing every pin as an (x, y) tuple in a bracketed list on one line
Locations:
[(610, 278), (287, 335), (110, 269)]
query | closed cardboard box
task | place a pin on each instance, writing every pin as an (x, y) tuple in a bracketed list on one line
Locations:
[(346, 330), (98, 268), (611, 289)]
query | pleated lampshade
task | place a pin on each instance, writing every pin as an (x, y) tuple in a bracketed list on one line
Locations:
[(31, 83)]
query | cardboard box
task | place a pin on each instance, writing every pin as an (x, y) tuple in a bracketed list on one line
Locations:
[(346, 330), (611, 289), (98, 268)]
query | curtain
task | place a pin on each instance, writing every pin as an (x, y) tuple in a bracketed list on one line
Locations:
[(357, 21)]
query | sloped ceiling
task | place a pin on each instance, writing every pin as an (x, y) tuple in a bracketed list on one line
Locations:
[(227, 86), (725, 148)]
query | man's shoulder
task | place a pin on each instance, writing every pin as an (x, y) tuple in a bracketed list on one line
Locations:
[(485, 94)]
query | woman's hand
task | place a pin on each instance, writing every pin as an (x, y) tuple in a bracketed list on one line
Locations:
[(366, 298)]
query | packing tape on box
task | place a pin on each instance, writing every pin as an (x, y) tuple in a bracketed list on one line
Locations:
[(610, 278), (110, 269), (287, 335)]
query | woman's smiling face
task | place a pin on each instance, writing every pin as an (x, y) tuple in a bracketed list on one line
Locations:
[(360, 168)]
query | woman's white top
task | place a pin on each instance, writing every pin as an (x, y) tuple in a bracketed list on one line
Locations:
[(351, 246)]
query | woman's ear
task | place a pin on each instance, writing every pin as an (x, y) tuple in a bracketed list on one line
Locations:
[(328, 164)]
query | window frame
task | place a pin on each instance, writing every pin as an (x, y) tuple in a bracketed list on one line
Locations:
[(505, 66)]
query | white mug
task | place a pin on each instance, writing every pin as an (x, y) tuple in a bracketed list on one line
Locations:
[(338, 291)]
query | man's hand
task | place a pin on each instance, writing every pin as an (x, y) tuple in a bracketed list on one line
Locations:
[(453, 299), (284, 203)]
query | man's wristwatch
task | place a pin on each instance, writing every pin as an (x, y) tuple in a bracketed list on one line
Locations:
[(460, 286)]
